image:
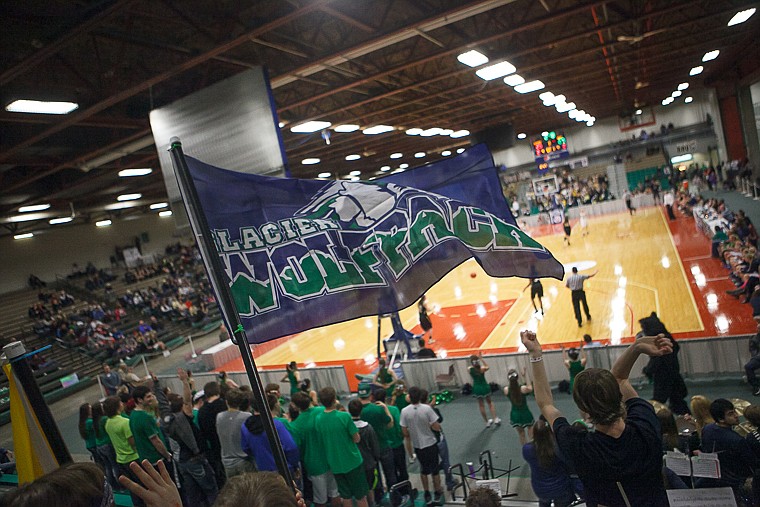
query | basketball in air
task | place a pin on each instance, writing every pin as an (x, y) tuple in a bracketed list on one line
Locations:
[(473, 274)]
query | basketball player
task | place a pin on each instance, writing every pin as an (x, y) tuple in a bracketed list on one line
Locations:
[(566, 227), (536, 290)]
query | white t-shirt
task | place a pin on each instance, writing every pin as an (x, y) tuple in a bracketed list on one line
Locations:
[(417, 419)]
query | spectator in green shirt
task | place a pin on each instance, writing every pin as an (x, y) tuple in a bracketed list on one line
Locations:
[(313, 452), (87, 431), (149, 439), (378, 416), (122, 440), (340, 436), (103, 445), (395, 439)]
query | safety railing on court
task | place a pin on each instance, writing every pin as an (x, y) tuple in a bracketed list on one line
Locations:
[(749, 188), (485, 470)]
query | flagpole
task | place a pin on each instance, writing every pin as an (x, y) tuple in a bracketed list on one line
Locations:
[(16, 354), (226, 303)]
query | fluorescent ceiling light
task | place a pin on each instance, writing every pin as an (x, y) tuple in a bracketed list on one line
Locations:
[(563, 108), (354, 178), (348, 127), (126, 173), (33, 207), (61, 220), (495, 71), (310, 126), (41, 107), (414, 132), (399, 170), (420, 154), (688, 99), (683, 86), (514, 80), (403, 166), (741, 17), (711, 55), (667, 101), (353, 157), (696, 70), (460, 133), (445, 153), (128, 197), (120, 205), (28, 218), (446, 132), (473, 58), (281, 124), (310, 161), (102, 223), (638, 111), (681, 158), (431, 132), (397, 155), (522, 135), (26, 235), (324, 175), (159, 205), (355, 173), (530, 86), (548, 98), (165, 213), (676, 94), (589, 123), (460, 150), (385, 168), (572, 113), (378, 129)]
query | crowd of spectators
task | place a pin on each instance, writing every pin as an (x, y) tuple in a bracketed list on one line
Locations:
[(182, 295), (572, 192)]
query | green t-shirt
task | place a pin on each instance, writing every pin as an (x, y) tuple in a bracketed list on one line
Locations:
[(89, 434), (286, 423), (102, 439), (337, 429), (293, 382), (118, 431), (144, 426), (377, 418), (395, 436), (309, 441), (401, 402)]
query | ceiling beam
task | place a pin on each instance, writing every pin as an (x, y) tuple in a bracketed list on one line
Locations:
[(187, 65), (89, 22)]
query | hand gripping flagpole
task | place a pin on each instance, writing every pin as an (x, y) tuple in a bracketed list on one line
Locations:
[(215, 270)]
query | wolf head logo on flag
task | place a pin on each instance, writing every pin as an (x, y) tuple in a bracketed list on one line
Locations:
[(359, 205), (299, 254)]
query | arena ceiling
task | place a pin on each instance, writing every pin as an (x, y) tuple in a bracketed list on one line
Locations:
[(373, 62)]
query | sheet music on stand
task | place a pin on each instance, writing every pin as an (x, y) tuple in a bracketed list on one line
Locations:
[(703, 497), (678, 462), (705, 464)]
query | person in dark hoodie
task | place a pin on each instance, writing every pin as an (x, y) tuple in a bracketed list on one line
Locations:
[(665, 371), (368, 447), (256, 444), (198, 481)]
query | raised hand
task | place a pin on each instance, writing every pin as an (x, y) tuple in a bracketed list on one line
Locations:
[(157, 488), (658, 345), (182, 374), (530, 341)]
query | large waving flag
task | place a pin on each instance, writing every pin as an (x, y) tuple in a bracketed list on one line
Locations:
[(300, 254)]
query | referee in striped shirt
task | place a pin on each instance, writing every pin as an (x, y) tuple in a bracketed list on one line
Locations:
[(575, 284)]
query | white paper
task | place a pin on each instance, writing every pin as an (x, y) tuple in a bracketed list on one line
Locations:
[(678, 462), (705, 465), (703, 497), (493, 484)]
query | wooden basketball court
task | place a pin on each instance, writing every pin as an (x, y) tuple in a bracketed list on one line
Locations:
[(645, 263)]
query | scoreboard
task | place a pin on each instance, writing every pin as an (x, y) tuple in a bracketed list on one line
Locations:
[(550, 146)]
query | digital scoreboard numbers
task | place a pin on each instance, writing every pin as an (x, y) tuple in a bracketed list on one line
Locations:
[(550, 146)]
